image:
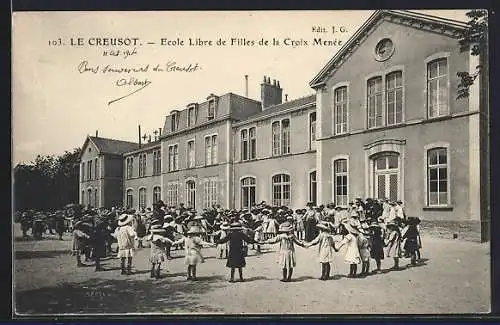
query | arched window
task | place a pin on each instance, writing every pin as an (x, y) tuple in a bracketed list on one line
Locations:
[(437, 87), (281, 190), (96, 198), (89, 197), (83, 198), (248, 192), (130, 199), (156, 194), (437, 176), (142, 198)]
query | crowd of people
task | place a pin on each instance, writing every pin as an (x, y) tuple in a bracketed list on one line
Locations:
[(368, 229)]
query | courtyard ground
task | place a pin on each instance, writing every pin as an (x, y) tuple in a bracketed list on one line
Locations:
[(454, 277)]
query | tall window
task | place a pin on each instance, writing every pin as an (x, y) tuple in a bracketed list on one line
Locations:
[(247, 193), (156, 194), (130, 167), (394, 97), (285, 131), (142, 165), (387, 176), (437, 176), (157, 162), (83, 171), (312, 131), (90, 170), (89, 197), (172, 194), (191, 194), (374, 102), (276, 138), (209, 192), (340, 178), (130, 199), (340, 113), (96, 198), (244, 144), (191, 154), (191, 116), (83, 198), (211, 150), (281, 190), (174, 121), (142, 198), (437, 87), (173, 157), (312, 187), (96, 168), (252, 143), (211, 109)]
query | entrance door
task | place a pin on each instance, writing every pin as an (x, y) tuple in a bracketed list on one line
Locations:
[(191, 194), (386, 169)]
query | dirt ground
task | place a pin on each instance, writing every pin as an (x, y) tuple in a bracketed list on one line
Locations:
[(454, 277)]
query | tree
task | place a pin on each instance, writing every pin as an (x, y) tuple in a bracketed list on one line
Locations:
[(475, 40), (48, 182)]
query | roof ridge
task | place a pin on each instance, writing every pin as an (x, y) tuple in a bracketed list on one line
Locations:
[(111, 139)]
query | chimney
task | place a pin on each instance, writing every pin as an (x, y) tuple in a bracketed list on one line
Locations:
[(96, 133), (139, 135), (286, 97), (270, 93), (246, 85)]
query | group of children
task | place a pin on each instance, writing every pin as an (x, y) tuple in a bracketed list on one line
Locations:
[(362, 240)]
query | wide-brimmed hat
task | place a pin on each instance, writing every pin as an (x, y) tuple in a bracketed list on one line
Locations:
[(124, 219), (323, 226), (157, 229), (236, 226), (285, 227), (194, 230), (413, 221), (351, 228)]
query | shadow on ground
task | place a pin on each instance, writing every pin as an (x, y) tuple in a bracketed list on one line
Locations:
[(165, 295), (20, 255)]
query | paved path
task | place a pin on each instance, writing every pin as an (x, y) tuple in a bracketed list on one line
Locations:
[(454, 278)]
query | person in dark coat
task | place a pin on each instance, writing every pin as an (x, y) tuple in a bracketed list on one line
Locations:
[(236, 254), (376, 239), (98, 240), (60, 224), (310, 221), (410, 238)]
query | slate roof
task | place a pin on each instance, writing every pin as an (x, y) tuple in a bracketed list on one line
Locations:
[(112, 146), (283, 107)]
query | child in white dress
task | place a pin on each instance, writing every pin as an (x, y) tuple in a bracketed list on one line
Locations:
[(350, 239), (326, 250)]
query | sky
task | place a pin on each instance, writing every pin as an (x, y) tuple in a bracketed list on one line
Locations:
[(58, 101)]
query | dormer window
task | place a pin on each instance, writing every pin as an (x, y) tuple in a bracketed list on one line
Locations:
[(211, 109), (192, 115), (174, 121)]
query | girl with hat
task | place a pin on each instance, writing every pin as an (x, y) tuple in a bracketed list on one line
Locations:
[(299, 223), (326, 250), (220, 234), (287, 259), (192, 246), (411, 239), (236, 256), (125, 235), (81, 236), (350, 234), (158, 248), (364, 249), (271, 227), (258, 234), (376, 239), (393, 244)]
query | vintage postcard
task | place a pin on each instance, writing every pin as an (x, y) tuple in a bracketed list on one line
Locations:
[(250, 162)]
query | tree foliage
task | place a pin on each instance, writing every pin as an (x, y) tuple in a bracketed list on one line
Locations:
[(49, 182), (475, 40)]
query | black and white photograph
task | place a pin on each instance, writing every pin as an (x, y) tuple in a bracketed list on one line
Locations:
[(250, 162)]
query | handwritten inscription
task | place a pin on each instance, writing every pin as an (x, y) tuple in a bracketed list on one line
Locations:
[(132, 81)]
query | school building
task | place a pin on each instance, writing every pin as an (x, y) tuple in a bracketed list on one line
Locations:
[(382, 121)]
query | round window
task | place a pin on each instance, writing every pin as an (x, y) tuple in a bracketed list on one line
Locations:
[(384, 49)]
